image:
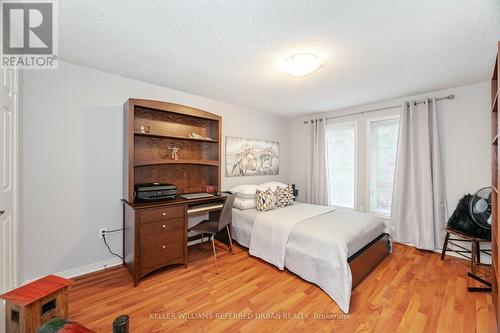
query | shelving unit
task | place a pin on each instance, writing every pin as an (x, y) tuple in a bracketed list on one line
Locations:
[(155, 233), (495, 235), (153, 129)]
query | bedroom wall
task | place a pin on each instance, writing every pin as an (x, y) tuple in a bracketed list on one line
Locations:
[(465, 135), (72, 155)]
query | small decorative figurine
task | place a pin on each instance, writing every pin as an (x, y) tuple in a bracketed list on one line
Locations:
[(195, 136), (174, 154)]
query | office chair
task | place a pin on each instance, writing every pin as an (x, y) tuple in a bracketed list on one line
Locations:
[(213, 227)]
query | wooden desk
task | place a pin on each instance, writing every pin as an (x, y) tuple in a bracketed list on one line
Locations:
[(155, 233)]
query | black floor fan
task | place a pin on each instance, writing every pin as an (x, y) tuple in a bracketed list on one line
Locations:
[(480, 212)]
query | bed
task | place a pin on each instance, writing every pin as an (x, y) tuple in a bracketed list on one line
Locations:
[(333, 248)]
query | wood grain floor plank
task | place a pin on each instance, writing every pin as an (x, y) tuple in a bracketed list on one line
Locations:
[(410, 291)]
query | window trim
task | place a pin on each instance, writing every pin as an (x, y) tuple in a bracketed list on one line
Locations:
[(355, 122), (368, 122), (362, 122)]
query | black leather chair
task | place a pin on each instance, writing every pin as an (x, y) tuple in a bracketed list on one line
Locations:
[(213, 227)]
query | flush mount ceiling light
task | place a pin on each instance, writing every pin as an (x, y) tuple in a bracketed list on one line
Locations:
[(301, 64)]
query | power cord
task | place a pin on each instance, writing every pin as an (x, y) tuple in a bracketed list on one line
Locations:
[(106, 242), (111, 231)]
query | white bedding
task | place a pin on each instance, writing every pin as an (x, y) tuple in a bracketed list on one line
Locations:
[(242, 225), (271, 231), (318, 247)]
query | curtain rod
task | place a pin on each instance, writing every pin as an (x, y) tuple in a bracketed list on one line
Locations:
[(449, 96)]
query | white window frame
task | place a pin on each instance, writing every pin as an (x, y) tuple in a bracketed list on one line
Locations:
[(362, 122), (369, 121), (355, 122)]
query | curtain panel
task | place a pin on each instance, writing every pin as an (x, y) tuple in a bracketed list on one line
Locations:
[(317, 182), (419, 208)]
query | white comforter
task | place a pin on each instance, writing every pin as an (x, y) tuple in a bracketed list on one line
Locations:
[(271, 231), (314, 242)]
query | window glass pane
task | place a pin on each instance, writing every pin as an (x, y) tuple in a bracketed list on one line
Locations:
[(383, 149), (341, 143)]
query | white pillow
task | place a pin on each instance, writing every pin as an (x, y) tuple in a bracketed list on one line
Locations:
[(273, 186), (242, 203), (246, 191)]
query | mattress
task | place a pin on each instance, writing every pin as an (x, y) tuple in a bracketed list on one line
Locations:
[(364, 228)]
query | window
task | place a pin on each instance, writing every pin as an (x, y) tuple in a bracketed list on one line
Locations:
[(383, 148), (361, 153), (341, 143)]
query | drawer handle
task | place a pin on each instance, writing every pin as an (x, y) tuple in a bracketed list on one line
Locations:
[(164, 214), (163, 226), (164, 247)]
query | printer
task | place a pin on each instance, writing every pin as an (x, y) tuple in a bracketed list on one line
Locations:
[(154, 192)]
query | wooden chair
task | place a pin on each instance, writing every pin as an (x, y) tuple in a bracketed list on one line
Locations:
[(473, 254), (213, 227)]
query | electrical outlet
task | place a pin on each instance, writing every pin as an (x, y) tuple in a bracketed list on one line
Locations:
[(101, 232)]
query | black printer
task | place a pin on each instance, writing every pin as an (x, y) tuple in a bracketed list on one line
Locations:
[(154, 192)]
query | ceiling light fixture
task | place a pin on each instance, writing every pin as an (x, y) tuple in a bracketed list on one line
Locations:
[(301, 64)]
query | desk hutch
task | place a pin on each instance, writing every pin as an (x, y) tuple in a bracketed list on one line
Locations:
[(155, 234)]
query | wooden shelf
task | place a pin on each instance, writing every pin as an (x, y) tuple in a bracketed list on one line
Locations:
[(165, 161), (151, 135)]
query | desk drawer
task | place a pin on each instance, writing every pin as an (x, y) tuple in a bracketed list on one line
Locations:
[(162, 243), (160, 249), (152, 263), (169, 225), (160, 214)]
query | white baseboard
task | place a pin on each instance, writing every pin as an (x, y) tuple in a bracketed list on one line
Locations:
[(484, 258), (90, 268), (97, 266)]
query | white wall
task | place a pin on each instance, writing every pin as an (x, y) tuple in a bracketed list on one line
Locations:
[(465, 134), (72, 152), (72, 156)]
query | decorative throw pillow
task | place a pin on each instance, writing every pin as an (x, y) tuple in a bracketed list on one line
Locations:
[(265, 200), (284, 196)]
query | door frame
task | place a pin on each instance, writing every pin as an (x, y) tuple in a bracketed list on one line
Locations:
[(17, 178), (16, 173)]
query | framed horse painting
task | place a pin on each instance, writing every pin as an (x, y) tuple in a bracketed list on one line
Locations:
[(251, 157)]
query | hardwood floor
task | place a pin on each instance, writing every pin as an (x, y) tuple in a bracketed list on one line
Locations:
[(411, 291)]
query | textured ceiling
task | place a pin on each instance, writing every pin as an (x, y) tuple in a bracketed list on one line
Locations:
[(232, 50)]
